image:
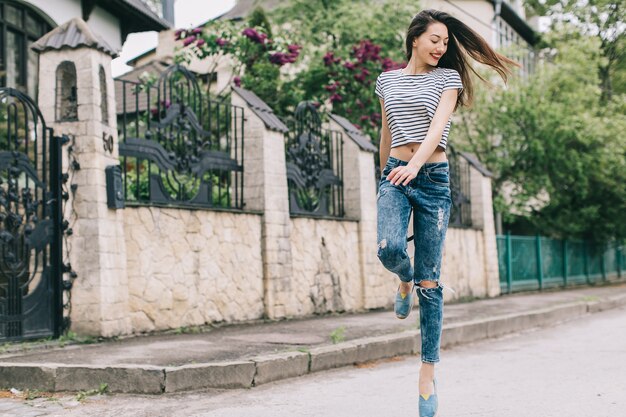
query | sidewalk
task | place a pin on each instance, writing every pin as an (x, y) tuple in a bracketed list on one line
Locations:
[(248, 355)]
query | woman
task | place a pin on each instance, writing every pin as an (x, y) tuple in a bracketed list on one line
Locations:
[(417, 103)]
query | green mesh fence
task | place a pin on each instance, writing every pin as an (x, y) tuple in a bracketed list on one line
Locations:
[(524, 262), (535, 262), (576, 262), (552, 261)]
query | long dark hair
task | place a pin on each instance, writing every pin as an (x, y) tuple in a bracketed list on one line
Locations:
[(471, 43)]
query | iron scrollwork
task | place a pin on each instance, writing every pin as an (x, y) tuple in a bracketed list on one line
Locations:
[(190, 151), (30, 244), (314, 165), (461, 211)]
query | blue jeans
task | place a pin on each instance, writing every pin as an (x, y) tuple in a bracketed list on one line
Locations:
[(428, 196)]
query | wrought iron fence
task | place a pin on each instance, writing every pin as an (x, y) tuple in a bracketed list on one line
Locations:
[(178, 147), (314, 165), (535, 262), (461, 211)]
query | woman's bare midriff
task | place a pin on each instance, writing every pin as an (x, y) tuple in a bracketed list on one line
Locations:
[(406, 152)]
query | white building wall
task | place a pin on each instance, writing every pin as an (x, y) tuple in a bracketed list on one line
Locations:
[(107, 26), (101, 22), (58, 10), (477, 14)]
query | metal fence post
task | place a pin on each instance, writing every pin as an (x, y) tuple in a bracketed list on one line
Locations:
[(539, 262), (56, 249), (602, 266), (509, 272), (565, 262), (585, 262), (618, 257)]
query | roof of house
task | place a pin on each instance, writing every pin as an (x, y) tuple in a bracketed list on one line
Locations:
[(518, 23), (133, 62), (129, 98), (243, 8), (71, 35), (134, 15), (144, 9)]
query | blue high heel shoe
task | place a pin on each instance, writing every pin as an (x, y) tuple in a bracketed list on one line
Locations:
[(428, 404), (403, 303)]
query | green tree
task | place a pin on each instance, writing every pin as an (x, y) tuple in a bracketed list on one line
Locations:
[(263, 75), (337, 25), (603, 19), (557, 151), (257, 57), (258, 18), (346, 44)]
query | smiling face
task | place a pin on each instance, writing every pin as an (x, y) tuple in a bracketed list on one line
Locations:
[(430, 46)]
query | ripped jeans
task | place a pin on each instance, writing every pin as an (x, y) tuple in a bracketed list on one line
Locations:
[(428, 196)]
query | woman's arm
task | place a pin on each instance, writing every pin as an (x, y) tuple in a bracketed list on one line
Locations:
[(384, 148), (404, 174)]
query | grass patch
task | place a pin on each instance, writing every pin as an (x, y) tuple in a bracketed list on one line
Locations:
[(188, 330), (338, 335), (71, 337), (101, 390)]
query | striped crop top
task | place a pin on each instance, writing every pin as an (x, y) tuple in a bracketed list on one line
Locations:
[(411, 101)]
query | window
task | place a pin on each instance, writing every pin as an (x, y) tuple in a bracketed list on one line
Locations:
[(66, 97), (509, 42), (20, 28), (104, 102)]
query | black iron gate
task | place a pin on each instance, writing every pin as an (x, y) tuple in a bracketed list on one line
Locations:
[(30, 221)]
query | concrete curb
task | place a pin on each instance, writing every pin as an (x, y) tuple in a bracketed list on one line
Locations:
[(144, 379)]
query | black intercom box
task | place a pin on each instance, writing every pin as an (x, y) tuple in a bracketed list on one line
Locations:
[(115, 187)]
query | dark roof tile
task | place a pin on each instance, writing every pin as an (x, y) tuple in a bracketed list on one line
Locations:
[(354, 133), (71, 35), (473, 160), (261, 109), (141, 7), (243, 8), (126, 85)]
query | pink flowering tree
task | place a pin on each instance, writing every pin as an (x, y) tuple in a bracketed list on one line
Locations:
[(351, 81), (257, 57)]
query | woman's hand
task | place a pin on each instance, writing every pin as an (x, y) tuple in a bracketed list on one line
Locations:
[(402, 174)]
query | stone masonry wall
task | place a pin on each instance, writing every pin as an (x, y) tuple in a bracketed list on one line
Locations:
[(190, 267), (463, 266), (326, 270)]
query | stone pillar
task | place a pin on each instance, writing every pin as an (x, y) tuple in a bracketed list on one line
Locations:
[(265, 189), (99, 302), (482, 217), (360, 203)]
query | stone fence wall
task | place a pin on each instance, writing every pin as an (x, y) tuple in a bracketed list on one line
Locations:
[(152, 268)]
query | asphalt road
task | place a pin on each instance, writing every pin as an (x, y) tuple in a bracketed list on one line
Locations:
[(576, 369)]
